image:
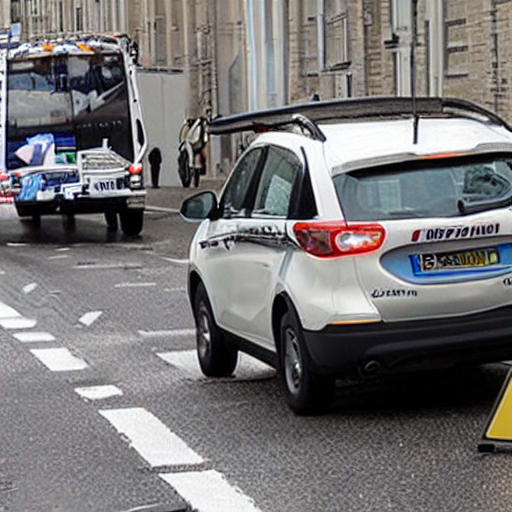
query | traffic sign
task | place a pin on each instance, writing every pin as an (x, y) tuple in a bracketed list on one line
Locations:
[(499, 425)]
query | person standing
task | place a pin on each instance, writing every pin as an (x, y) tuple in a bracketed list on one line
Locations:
[(155, 161)]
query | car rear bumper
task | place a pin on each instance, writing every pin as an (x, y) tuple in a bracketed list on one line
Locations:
[(407, 346)]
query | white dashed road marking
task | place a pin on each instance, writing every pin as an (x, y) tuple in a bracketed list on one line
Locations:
[(209, 491), (134, 285), (151, 438), (29, 288), (59, 359), (247, 368), (167, 333), (89, 318), (7, 312), (30, 337), (179, 262), (17, 323), (205, 491), (99, 392)]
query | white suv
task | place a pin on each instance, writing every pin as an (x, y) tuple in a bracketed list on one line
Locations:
[(360, 237)]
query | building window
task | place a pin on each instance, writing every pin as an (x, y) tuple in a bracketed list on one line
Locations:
[(160, 34), (15, 11), (61, 17), (456, 54), (79, 19), (325, 36), (310, 38), (176, 34), (336, 45), (266, 50)]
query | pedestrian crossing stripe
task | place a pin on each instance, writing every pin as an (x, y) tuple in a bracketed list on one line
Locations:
[(499, 424)]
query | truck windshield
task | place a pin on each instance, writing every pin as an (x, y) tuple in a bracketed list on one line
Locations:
[(428, 188), (72, 102)]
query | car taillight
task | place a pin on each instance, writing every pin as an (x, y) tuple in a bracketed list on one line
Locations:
[(135, 169), (332, 239)]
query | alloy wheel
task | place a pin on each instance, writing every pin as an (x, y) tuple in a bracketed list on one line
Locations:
[(292, 362)]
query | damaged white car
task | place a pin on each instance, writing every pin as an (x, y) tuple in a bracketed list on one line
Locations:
[(357, 237)]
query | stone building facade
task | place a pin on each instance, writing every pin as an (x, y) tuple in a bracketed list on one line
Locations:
[(5, 15), (240, 55)]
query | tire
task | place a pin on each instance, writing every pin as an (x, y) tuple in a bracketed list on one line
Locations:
[(36, 220), (68, 222), (132, 221), (306, 392), (216, 357), (111, 219), (21, 210), (184, 170)]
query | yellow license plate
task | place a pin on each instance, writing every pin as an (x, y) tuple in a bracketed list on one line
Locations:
[(462, 259)]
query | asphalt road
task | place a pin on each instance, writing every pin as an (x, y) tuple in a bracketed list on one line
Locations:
[(132, 422)]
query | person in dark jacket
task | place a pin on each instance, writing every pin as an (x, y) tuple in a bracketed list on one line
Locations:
[(155, 161)]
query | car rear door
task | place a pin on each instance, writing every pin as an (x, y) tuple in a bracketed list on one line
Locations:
[(218, 241), (262, 244)]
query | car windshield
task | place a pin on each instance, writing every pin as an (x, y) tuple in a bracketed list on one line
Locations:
[(429, 188)]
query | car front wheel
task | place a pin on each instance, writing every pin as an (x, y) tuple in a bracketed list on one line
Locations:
[(306, 391), (216, 357)]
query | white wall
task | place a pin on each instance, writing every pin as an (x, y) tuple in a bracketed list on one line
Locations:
[(164, 104)]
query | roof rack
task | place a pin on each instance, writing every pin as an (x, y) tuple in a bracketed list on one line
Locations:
[(307, 115)]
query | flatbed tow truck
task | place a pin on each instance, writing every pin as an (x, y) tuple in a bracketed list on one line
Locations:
[(72, 137)]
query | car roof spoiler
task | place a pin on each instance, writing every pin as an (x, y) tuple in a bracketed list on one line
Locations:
[(307, 115)]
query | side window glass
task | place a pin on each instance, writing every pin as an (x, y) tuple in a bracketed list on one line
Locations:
[(276, 184), (233, 199)]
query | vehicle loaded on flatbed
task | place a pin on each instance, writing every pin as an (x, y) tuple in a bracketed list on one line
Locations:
[(72, 130)]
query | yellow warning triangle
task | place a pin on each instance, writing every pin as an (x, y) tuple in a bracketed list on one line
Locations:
[(499, 425)]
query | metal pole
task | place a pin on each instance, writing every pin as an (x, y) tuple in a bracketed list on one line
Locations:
[(414, 39)]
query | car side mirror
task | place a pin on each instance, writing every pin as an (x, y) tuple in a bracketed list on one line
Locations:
[(200, 206)]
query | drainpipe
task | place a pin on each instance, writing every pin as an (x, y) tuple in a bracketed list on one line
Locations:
[(495, 61)]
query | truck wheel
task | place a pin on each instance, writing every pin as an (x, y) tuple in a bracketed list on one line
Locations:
[(132, 221), (111, 219), (306, 392), (68, 222), (21, 210), (36, 220), (216, 357)]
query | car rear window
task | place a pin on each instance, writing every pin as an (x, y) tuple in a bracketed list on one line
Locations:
[(430, 188)]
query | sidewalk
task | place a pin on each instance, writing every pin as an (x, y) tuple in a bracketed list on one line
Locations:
[(170, 198)]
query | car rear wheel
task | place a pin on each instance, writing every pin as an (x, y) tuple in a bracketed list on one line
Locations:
[(216, 357), (306, 392), (111, 219)]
